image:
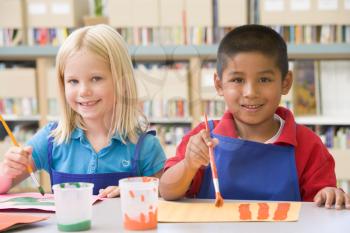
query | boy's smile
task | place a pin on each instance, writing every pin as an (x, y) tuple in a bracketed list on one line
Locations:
[(251, 85)]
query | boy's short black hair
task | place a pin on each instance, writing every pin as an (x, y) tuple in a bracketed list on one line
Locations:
[(253, 38)]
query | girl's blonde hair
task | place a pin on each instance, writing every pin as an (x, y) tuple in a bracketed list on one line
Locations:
[(104, 41)]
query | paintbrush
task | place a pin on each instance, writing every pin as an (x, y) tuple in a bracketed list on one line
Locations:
[(29, 169), (219, 201)]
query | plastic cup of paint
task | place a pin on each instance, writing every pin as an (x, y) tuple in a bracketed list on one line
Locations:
[(73, 202), (139, 202)]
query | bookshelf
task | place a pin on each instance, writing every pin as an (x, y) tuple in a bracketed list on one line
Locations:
[(163, 31)]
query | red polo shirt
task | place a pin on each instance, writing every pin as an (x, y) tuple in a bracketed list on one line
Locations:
[(315, 165)]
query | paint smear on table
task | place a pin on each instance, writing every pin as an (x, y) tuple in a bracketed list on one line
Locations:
[(31, 201), (230, 212)]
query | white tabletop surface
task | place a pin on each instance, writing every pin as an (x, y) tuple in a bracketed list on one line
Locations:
[(107, 217)]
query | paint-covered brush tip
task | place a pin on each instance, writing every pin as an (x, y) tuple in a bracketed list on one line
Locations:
[(41, 190), (219, 201)]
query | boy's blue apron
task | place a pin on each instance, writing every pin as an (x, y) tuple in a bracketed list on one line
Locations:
[(100, 180), (252, 171)]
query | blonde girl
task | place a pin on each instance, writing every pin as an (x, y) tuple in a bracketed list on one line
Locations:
[(101, 135)]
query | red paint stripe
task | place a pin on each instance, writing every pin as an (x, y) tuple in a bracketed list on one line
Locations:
[(281, 212), (263, 212), (244, 212)]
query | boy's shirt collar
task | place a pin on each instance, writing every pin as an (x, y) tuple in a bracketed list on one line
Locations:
[(226, 127)]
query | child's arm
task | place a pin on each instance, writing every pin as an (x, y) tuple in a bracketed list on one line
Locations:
[(14, 167), (176, 180)]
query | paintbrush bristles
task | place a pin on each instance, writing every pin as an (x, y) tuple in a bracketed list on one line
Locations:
[(219, 201)]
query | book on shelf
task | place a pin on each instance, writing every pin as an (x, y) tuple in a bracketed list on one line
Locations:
[(335, 86), (305, 88)]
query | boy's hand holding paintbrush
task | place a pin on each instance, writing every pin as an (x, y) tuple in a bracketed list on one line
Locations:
[(199, 152)]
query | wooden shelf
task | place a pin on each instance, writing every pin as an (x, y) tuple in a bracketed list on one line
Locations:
[(187, 120), (21, 118), (178, 52), (323, 120)]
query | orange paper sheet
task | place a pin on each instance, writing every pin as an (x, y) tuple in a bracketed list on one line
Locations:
[(229, 212), (9, 220)]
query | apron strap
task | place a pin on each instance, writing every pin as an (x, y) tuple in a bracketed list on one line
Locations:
[(49, 149), (211, 125), (136, 168)]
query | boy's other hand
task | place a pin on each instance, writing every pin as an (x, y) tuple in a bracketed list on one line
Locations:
[(197, 150), (109, 192), (330, 195)]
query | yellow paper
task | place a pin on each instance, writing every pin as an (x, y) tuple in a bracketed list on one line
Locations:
[(229, 212)]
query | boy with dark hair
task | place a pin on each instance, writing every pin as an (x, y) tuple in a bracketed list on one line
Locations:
[(260, 152)]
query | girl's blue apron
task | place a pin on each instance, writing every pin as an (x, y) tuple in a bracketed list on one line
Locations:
[(252, 171), (100, 180)]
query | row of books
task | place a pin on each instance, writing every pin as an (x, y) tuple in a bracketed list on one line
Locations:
[(48, 36), (11, 37), (167, 36), (310, 34), (26, 106), (173, 108), (334, 137), (170, 134), (294, 34), (213, 108)]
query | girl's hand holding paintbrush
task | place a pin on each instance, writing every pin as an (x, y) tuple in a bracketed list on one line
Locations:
[(16, 160), (14, 167)]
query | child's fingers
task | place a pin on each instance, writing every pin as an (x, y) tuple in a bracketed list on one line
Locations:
[(28, 150), (14, 165), (197, 154), (318, 199), (330, 196), (347, 200), (106, 191), (114, 193), (197, 146), (18, 155), (206, 137), (11, 172), (339, 199)]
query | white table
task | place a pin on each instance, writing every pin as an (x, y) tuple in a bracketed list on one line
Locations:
[(107, 218)]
